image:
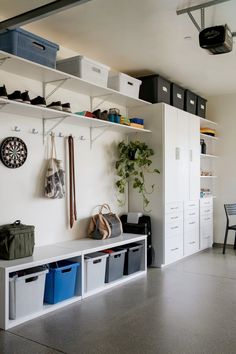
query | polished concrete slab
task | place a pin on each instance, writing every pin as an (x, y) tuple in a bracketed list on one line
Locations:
[(186, 308)]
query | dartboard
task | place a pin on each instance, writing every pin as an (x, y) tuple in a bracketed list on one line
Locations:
[(13, 152)]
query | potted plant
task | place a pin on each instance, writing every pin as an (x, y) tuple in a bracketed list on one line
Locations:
[(132, 164)]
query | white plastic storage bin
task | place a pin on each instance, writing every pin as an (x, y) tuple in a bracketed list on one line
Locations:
[(85, 68), (125, 84), (95, 267), (26, 292)]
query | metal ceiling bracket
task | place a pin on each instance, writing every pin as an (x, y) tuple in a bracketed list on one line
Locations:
[(39, 13), (200, 6)]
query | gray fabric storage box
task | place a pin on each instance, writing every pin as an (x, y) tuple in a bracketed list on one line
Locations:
[(115, 265), (95, 267), (26, 292), (133, 258)]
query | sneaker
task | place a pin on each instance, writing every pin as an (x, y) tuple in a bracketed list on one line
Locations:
[(66, 107), (104, 115), (97, 113), (15, 96), (55, 105), (3, 92), (25, 97), (38, 101)]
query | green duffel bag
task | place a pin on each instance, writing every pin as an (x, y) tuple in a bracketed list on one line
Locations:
[(16, 240)]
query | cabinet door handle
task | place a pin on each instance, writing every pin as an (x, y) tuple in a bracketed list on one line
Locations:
[(192, 243), (207, 237), (174, 208), (191, 155), (174, 217), (207, 211), (177, 153), (174, 249), (174, 227), (191, 214), (193, 222), (192, 205), (207, 219)]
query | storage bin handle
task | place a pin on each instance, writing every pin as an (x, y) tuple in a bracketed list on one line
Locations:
[(117, 255), (29, 280), (97, 261), (96, 70), (66, 270), (130, 83), (39, 45)]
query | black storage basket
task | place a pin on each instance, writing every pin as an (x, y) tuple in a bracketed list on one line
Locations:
[(16, 240)]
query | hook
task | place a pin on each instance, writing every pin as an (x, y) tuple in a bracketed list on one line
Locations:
[(16, 129), (34, 131), (60, 135), (82, 138)]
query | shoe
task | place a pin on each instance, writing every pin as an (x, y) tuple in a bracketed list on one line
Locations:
[(38, 101), (104, 115), (25, 97), (55, 105), (66, 107), (97, 113), (15, 96), (3, 92)]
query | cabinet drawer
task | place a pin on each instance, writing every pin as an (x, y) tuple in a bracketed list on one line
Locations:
[(191, 213), (173, 249), (173, 217), (206, 242), (191, 205), (173, 207), (191, 223), (191, 247), (206, 202), (206, 210), (206, 218), (173, 229)]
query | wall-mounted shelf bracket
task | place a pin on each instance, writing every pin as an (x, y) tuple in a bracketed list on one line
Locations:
[(103, 99), (58, 84), (47, 132), (92, 138)]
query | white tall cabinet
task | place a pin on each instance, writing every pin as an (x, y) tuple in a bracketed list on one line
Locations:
[(175, 212)]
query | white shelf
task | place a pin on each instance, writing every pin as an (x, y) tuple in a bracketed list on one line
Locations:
[(75, 249), (44, 74), (206, 123), (208, 176), (206, 155), (23, 109), (124, 279), (208, 137)]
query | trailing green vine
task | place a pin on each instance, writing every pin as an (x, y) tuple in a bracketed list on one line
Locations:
[(132, 165)]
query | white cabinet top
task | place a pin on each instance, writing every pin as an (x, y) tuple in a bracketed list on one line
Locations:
[(68, 249)]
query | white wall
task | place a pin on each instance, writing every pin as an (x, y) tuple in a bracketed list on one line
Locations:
[(222, 109), (21, 190)]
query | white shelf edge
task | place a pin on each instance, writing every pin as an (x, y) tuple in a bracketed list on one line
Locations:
[(208, 176), (106, 286), (89, 122), (206, 155), (63, 75), (209, 136), (204, 120), (47, 308)]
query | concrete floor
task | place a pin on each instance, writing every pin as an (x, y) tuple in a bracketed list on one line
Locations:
[(187, 308)]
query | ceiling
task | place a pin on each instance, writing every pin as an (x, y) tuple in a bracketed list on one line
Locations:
[(141, 37)]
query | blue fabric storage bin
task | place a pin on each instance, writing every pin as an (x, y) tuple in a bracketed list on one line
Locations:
[(60, 281), (29, 46)]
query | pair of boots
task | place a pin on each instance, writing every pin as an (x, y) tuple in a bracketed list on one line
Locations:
[(101, 115)]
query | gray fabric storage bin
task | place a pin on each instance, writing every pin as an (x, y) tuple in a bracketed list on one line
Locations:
[(115, 265), (133, 258), (26, 292), (95, 267)]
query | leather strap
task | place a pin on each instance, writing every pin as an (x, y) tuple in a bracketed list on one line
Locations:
[(72, 196)]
